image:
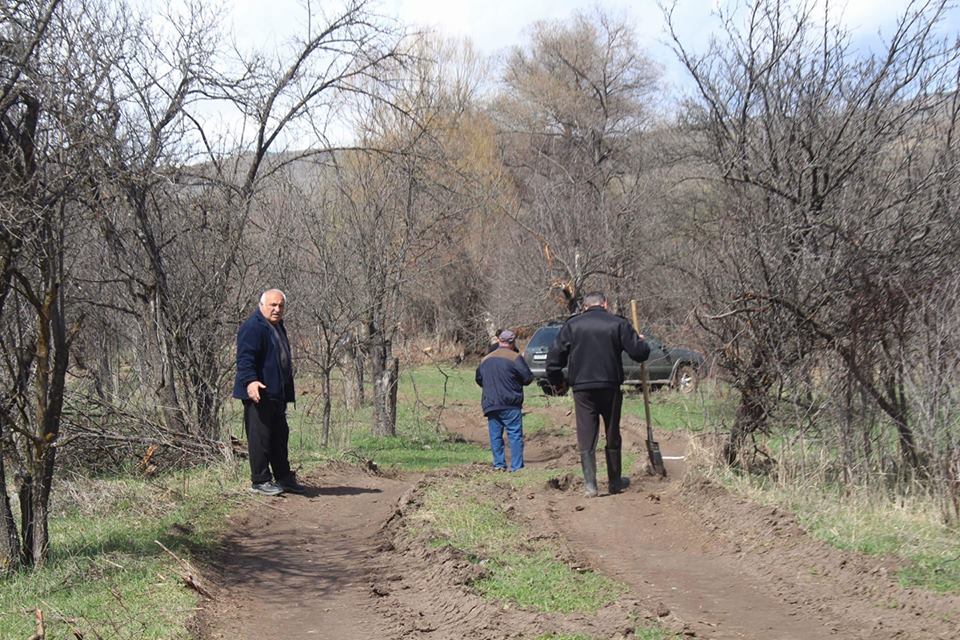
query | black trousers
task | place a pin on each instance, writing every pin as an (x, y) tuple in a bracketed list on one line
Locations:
[(265, 423), (591, 405)]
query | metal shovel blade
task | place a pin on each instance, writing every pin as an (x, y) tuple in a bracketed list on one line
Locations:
[(656, 459), (653, 447)]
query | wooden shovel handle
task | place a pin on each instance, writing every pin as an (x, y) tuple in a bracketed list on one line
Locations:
[(644, 382)]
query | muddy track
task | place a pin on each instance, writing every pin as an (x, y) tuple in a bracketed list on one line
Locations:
[(341, 563)]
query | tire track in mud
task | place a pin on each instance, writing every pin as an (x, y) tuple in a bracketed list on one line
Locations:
[(731, 569), (301, 566), (433, 598), (345, 563)]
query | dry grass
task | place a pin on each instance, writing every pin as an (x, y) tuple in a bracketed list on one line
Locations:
[(870, 520)]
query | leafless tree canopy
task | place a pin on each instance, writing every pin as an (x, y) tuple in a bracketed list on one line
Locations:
[(572, 114), (829, 221)]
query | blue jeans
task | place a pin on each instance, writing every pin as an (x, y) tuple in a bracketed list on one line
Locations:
[(510, 420)]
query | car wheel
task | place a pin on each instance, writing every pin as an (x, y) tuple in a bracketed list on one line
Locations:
[(686, 378)]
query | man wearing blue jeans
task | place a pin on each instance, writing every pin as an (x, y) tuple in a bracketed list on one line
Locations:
[(502, 374)]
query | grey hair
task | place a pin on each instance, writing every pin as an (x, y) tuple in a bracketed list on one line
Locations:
[(263, 296), (594, 299)]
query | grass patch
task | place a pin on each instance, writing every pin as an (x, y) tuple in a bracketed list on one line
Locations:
[(710, 405), (106, 576), (418, 445), (417, 453), (526, 478), (432, 385), (463, 513), (534, 422), (539, 582)]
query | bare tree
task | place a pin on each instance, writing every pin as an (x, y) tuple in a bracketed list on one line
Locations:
[(178, 233), (49, 94), (828, 212), (403, 199), (100, 121), (318, 275), (571, 118)]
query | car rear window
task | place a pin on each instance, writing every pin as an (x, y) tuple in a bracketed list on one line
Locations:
[(543, 337)]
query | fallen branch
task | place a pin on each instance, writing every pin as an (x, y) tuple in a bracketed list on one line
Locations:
[(189, 574), (41, 633)]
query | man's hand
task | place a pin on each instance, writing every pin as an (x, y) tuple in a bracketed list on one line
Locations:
[(253, 390)]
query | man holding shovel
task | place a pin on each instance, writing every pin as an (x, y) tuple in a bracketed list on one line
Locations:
[(590, 345)]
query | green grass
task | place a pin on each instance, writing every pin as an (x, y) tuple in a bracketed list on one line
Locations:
[(427, 384), (702, 410), (539, 582), (931, 551), (106, 574), (417, 453), (534, 422), (419, 444), (462, 515)]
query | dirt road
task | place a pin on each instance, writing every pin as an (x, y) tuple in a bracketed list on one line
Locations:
[(332, 564)]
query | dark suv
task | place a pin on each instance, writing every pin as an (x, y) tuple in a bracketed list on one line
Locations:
[(674, 366)]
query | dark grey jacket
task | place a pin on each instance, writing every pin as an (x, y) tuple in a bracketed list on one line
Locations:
[(590, 346)]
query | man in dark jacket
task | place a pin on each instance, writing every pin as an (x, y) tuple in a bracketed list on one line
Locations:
[(502, 374), (264, 383), (590, 346)]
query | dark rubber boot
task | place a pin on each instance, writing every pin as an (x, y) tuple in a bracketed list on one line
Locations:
[(615, 483), (588, 460)]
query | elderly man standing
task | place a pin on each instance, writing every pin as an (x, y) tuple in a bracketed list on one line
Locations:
[(502, 374), (264, 383), (590, 346)]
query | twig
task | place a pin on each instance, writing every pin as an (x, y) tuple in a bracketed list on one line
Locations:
[(188, 577), (41, 633), (443, 401), (69, 622)]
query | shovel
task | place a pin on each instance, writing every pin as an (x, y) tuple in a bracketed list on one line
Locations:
[(653, 447)]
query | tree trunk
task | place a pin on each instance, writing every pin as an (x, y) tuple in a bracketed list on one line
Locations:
[(847, 433), (358, 362), (24, 485), (900, 414), (385, 375), (161, 363), (325, 441), (9, 537), (40, 539), (751, 417)]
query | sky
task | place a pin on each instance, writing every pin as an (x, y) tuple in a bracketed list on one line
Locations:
[(495, 25)]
